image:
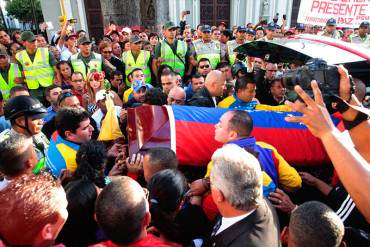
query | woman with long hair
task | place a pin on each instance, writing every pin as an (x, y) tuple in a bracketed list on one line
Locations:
[(65, 70), (95, 83), (174, 218)]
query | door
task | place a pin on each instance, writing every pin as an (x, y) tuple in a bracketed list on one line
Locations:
[(94, 19), (295, 10), (212, 12)]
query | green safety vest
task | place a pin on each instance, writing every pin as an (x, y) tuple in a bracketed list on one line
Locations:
[(39, 72), (356, 39), (79, 66), (231, 46), (170, 58), (211, 50), (141, 62), (6, 85)]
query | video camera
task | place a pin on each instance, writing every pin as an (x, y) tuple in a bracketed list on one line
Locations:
[(327, 78)]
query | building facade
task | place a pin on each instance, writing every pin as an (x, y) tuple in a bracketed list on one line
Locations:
[(233, 12), (93, 15)]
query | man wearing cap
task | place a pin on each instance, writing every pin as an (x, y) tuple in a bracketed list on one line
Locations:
[(101, 111), (259, 33), (25, 114), (330, 29), (38, 66), (126, 31), (85, 61), (139, 89), (270, 32), (10, 74), (207, 48), (240, 39), (222, 26), (363, 36), (299, 28), (70, 41), (137, 58), (171, 51)]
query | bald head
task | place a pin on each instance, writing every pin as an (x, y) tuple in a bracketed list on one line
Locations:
[(215, 83), (176, 96), (120, 210)]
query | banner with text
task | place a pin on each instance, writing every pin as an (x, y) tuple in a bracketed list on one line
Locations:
[(348, 13)]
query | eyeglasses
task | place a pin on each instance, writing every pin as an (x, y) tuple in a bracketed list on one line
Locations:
[(107, 52), (204, 66)]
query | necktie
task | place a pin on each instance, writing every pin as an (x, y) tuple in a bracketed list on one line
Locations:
[(216, 227)]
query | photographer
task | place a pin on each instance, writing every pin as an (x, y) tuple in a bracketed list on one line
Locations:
[(317, 119)]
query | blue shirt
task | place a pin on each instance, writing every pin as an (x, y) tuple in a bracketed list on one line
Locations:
[(4, 124), (51, 114)]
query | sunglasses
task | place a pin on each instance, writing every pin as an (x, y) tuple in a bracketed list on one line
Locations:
[(107, 52), (204, 66), (64, 95)]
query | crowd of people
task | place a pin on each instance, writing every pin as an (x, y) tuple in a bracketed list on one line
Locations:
[(63, 184)]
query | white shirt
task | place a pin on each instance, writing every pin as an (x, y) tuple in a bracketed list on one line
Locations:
[(214, 101), (227, 222), (98, 115), (4, 183)]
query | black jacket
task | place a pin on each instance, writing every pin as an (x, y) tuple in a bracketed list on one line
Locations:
[(259, 229), (202, 98)]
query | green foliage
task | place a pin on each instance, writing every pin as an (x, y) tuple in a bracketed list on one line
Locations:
[(23, 11)]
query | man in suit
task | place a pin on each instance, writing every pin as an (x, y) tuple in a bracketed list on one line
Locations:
[(214, 86), (236, 187)]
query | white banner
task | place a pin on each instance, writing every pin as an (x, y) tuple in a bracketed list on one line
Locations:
[(348, 13)]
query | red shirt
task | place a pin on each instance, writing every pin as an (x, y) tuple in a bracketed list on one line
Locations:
[(79, 96), (149, 241)]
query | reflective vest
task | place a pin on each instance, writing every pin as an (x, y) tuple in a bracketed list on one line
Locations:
[(39, 72), (334, 35), (211, 50), (170, 58), (6, 85), (141, 62), (94, 64), (356, 39), (231, 46)]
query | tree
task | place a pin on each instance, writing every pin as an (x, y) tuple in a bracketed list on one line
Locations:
[(23, 10)]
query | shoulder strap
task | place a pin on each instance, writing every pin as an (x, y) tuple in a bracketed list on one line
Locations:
[(175, 51)]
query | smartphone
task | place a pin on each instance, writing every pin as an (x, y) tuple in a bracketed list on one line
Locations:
[(284, 17), (188, 12)]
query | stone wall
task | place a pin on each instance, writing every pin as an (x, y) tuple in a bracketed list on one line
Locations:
[(146, 13)]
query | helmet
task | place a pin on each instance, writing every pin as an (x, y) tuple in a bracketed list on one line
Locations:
[(237, 67), (24, 106)]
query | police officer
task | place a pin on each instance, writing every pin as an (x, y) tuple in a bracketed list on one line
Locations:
[(363, 37), (137, 58), (171, 51), (207, 48), (38, 66), (10, 74), (240, 39), (330, 29), (299, 28), (85, 61), (25, 114), (270, 32)]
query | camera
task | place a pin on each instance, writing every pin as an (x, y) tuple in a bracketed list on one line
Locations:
[(327, 78)]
